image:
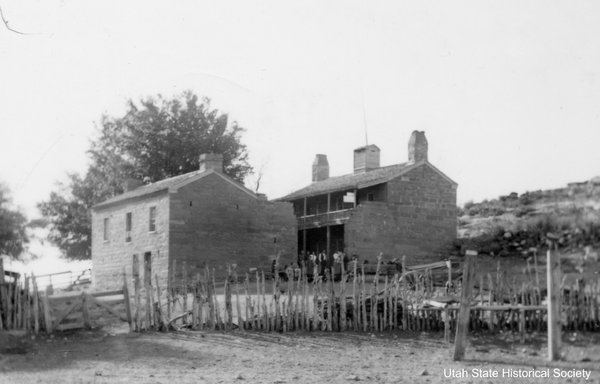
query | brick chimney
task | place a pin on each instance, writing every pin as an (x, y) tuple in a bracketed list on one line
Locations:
[(320, 168), (417, 147), (212, 161), (366, 158), (130, 184)]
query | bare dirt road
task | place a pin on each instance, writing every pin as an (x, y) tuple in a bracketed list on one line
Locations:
[(116, 356)]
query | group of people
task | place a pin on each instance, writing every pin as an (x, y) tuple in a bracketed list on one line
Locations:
[(314, 264)]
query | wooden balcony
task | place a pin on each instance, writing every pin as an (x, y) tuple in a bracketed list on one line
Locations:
[(323, 219)]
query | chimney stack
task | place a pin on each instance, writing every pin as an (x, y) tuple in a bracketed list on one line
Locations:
[(417, 147), (366, 158), (212, 161), (320, 168)]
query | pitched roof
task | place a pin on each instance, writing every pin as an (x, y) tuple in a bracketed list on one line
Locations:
[(358, 180), (171, 185)]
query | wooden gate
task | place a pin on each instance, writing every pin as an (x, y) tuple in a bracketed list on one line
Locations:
[(85, 310)]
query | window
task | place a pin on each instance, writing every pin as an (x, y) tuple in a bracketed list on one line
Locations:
[(370, 197), (152, 220), (105, 229), (128, 217)]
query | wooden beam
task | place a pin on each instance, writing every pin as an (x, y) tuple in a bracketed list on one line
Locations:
[(464, 314), (1, 271), (328, 255), (135, 271), (127, 302), (47, 315), (60, 317), (107, 307), (85, 311), (554, 324)]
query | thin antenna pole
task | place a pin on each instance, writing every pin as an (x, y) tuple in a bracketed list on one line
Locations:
[(362, 97)]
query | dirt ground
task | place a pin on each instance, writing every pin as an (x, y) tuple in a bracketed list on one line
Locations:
[(116, 356)]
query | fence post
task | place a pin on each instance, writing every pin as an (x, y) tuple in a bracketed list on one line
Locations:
[(135, 271), (2, 293), (554, 295), (464, 314), (47, 316), (127, 302)]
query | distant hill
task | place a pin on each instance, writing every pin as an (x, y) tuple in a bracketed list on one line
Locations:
[(513, 224)]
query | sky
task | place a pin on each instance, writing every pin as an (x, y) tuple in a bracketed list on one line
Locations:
[(508, 92)]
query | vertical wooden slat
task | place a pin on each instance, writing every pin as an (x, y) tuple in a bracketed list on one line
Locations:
[(184, 293), (248, 321), (465, 307), (553, 277), (160, 324), (137, 292), (85, 311), (47, 311), (127, 302), (36, 308), (404, 295), (238, 308)]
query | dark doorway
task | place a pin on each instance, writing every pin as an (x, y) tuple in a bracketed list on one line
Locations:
[(316, 239)]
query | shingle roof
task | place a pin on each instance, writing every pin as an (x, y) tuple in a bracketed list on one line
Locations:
[(165, 185), (359, 180), (352, 180)]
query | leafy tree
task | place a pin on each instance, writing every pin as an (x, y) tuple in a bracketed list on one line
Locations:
[(12, 226), (155, 139)]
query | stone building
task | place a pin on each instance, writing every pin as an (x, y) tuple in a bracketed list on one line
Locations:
[(202, 218), (403, 209)]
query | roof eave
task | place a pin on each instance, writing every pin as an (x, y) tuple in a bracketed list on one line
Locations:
[(110, 204)]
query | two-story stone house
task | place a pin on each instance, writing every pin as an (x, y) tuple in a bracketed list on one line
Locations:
[(202, 218), (403, 209)]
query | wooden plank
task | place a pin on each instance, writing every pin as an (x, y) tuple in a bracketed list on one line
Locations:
[(148, 291), (104, 305), (159, 315), (61, 316), (85, 311), (404, 299), (553, 280), (69, 326), (36, 308), (127, 302), (111, 293), (135, 271), (47, 315), (465, 303)]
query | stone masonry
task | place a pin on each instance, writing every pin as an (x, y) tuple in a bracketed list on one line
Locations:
[(204, 220)]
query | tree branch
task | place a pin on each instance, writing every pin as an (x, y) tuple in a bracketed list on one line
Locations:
[(8, 26)]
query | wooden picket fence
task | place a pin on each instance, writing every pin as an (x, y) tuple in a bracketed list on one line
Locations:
[(406, 301), (356, 302), (24, 307)]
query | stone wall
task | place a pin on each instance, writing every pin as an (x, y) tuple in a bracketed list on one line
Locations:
[(419, 219), (109, 257), (213, 223)]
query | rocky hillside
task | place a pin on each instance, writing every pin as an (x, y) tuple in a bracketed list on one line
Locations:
[(517, 224)]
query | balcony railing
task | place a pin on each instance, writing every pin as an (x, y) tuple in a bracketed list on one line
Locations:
[(326, 218)]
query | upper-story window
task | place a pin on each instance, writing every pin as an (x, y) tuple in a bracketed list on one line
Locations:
[(128, 219), (152, 220), (105, 229)]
